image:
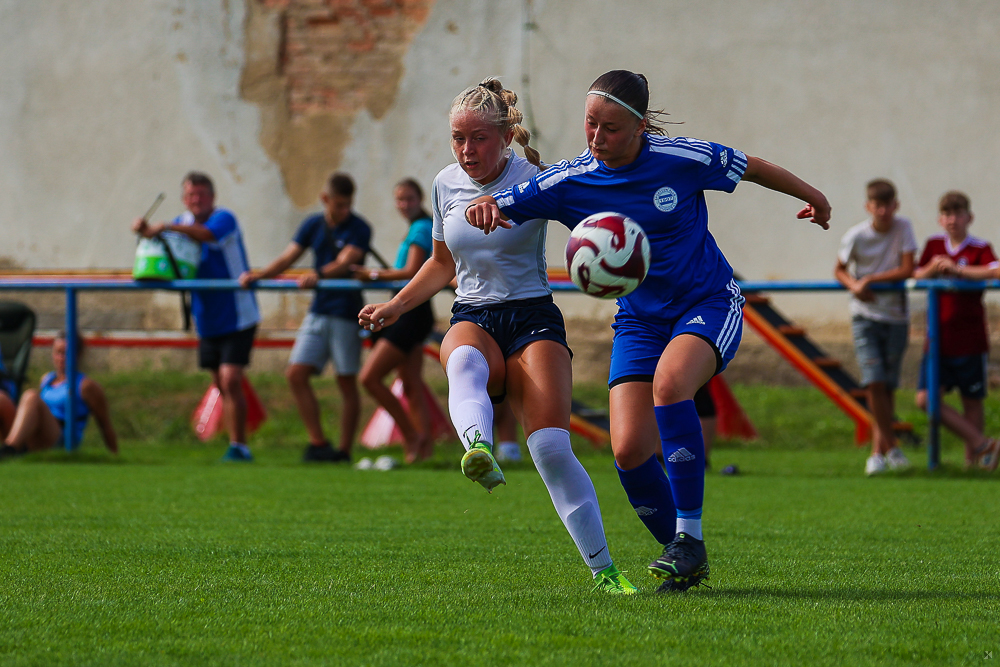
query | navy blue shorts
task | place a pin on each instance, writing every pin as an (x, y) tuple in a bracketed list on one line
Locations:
[(966, 373), (514, 324), (638, 345)]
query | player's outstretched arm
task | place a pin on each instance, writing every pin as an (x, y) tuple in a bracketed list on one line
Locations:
[(432, 277), (288, 257), (483, 213), (777, 178)]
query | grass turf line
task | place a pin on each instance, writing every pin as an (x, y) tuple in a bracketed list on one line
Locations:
[(166, 559)]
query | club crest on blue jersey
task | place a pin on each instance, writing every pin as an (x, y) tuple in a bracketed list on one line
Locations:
[(665, 199)]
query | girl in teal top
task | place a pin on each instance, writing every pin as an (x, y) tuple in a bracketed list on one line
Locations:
[(401, 346)]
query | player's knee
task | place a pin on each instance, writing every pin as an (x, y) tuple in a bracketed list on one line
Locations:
[(369, 380), (631, 454), (231, 381), (921, 400), (667, 391), (298, 375)]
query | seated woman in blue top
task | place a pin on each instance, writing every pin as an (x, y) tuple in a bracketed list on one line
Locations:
[(401, 346), (41, 414)]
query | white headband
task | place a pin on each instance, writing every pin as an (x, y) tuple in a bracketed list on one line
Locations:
[(615, 99)]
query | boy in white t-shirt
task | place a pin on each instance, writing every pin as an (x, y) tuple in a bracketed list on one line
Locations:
[(881, 250)]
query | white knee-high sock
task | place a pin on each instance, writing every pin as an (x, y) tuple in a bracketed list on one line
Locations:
[(468, 400), (572, 494)]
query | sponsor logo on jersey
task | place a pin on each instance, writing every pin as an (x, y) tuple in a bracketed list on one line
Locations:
[(665, 199), (645, 511), (680, 456), (695, 320), (724, 158)]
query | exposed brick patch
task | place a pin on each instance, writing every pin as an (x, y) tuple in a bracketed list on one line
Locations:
[(312, 65)]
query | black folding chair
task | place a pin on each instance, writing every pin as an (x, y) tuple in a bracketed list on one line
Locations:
[(17, 326)]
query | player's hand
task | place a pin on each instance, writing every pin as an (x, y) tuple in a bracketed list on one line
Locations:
[(308, 280), (862, 291), (377, 316), (486, 216), (248, 278), (818, 213), (141, 227), (943, 265), (363, 273)]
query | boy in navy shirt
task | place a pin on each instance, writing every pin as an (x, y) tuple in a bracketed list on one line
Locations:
[(338, 239), (226, 320)]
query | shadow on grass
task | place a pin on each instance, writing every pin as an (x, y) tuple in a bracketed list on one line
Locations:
[(846, 594)]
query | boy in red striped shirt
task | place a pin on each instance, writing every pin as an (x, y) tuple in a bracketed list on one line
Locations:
[(964, 341)]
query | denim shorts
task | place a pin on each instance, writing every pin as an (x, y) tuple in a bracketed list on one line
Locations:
[(967, 373), (325, 337), (879, 347)]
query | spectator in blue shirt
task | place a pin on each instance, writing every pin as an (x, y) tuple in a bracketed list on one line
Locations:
[(338, 239), (226, 320)]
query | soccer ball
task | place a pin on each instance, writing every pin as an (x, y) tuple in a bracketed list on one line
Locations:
[(607, 255)]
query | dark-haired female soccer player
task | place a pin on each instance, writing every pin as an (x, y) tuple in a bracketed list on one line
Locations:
[(507, 336), (684, 322)]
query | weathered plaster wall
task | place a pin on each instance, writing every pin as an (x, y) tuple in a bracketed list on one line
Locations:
[(107, 103)]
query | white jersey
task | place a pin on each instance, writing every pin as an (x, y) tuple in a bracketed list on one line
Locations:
[(875, 252), (506, 265)]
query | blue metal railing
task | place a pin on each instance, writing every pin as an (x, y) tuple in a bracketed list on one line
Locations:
[(932, 287)]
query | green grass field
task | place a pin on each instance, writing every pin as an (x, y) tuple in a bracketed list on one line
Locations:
[(163, 557)]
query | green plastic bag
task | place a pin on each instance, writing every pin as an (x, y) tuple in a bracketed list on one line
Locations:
[(153, 258)]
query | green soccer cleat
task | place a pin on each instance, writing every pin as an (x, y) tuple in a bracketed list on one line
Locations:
[(479, 465), (611, 581)]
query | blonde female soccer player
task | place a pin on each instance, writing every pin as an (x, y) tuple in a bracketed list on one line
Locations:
[(507, 335), (684, 322)]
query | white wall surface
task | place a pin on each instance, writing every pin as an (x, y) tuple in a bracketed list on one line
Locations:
[(105, 103)]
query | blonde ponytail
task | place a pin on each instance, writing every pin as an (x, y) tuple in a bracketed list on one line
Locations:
[(497, 105)]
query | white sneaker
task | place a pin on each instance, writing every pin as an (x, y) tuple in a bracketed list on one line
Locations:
[(875, 464), (897, 459), (508, 451), (988, 455), (384, 463), (363, 464)]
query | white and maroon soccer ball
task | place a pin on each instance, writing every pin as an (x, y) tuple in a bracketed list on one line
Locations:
[(607, 255)]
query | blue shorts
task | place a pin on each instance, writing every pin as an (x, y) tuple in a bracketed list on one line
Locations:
[(514, 324), (638, 345), (966, 373)]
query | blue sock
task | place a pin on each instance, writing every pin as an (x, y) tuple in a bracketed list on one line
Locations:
[(684, 455), (648, 490)]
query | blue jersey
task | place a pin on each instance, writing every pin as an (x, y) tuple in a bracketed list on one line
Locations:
[(217, 313), (326, 243), (663, 191), (54, 397)]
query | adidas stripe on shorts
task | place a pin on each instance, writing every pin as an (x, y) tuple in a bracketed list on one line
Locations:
[(638, 344)]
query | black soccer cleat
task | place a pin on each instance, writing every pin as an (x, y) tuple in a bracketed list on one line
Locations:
[(684, 564), (325, 454)]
